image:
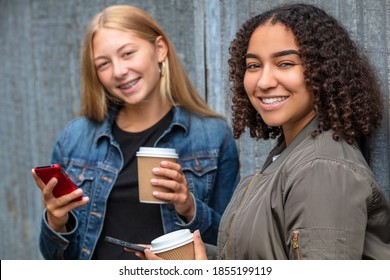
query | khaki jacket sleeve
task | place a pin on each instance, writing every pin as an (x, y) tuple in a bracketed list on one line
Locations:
[(327, 212)]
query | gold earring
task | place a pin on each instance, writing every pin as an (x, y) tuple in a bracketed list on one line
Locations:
[(162, 66)]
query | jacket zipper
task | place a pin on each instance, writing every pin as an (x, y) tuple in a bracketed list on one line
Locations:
[(233, 221), (296, 244)]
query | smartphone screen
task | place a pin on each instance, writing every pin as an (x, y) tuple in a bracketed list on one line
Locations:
[(123, 243), (64, 184)]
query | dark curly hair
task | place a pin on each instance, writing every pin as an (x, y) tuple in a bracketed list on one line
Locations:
[(346, 90)]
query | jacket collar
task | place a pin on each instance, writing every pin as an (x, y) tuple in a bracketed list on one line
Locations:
[(181, 118), (284, 151)]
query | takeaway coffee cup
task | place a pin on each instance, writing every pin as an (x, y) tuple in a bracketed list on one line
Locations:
[(149, 158), (177, 245)]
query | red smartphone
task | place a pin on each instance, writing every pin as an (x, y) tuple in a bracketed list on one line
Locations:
[(64, 184)]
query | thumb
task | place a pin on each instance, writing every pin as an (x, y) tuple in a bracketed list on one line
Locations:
[(199, 248)]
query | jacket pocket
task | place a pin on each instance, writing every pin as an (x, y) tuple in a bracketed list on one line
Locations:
[(200, 171), (199, 164), (82, 176), (317, 244)]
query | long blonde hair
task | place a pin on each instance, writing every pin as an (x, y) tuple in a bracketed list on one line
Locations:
[(175, 86)]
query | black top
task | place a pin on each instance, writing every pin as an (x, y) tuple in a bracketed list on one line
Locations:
[(126, 218)]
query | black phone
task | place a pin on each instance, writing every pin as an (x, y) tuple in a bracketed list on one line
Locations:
[(123, 243)]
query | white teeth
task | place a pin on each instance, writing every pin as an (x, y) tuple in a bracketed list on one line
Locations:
[(273, 100), (129, 85)]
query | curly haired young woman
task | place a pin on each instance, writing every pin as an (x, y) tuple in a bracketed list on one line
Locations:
[(297, 75)]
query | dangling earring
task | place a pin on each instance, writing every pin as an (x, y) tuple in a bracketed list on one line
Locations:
[(162, 66)]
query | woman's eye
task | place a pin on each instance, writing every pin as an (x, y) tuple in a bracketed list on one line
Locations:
[(251, 66), (286, 64), (128, 53), (102, 65)]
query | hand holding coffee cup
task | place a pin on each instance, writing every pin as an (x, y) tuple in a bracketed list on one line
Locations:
[(194, 250), (149, 158), (161, 180), (177, 245)]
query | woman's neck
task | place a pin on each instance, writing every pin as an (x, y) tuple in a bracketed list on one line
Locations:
[(291, 131), (140, 118)]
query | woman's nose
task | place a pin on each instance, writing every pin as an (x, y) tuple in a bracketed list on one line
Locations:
[(267, 79), (120, 69)]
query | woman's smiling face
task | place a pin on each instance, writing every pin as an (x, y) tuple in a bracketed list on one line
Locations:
[(274, 79), (128, 66)]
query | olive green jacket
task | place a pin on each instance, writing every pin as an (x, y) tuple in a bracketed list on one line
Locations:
[(317, 200)]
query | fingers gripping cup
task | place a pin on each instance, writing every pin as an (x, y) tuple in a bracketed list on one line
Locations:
[(177, 245), (147, 159)]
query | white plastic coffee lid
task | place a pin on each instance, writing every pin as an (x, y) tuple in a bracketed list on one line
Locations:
[(171, 240), (157, 152)]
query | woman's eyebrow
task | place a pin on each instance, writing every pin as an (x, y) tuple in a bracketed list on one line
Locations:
[(286, 52), (250, 55), (277, 54), (118, 50)]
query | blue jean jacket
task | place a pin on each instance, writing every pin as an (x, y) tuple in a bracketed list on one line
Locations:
[(92, 158)]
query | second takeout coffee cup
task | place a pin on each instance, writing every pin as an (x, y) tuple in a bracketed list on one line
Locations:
[(177, 245), (147, 159)]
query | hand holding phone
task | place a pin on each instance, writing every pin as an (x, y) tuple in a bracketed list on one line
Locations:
[(64, 183), (125, 244)]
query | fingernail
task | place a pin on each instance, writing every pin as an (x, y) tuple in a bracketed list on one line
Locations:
[(153, 181), (156, 194), (78, 191), (156, 170)]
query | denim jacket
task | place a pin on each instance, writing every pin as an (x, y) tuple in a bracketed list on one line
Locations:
[(92, 158)]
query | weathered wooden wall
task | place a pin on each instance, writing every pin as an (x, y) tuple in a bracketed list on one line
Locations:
[(39, 86)]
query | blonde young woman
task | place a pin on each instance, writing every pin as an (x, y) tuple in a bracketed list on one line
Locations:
[(135, 93)]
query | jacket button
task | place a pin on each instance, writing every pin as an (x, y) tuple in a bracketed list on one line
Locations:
[(198, 166)]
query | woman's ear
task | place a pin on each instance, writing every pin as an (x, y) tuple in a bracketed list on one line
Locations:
[(161, 48)]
